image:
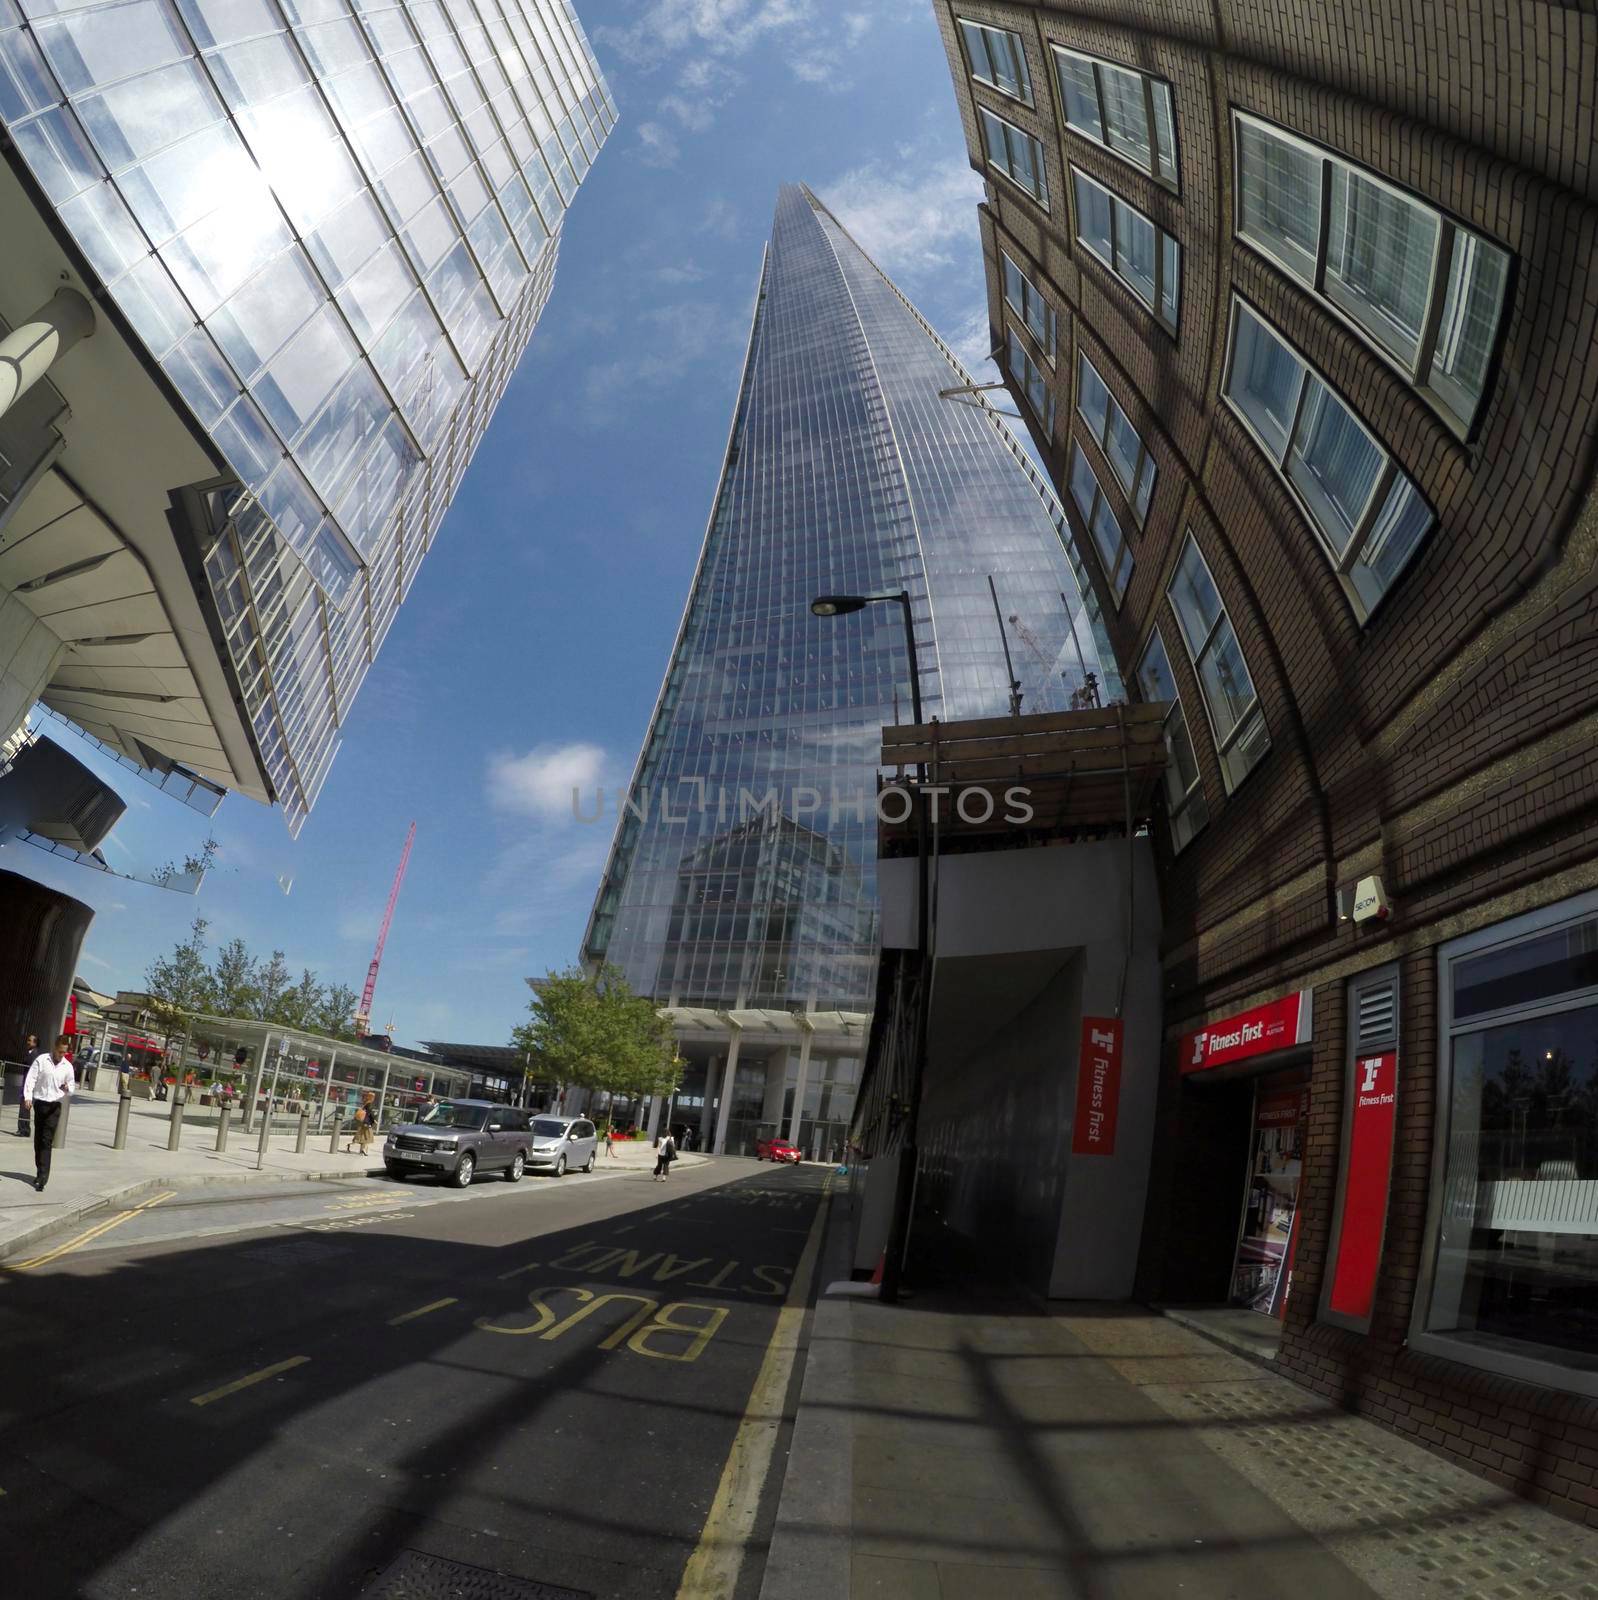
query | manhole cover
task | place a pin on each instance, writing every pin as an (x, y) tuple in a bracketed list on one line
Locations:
[(415, 1576), (295, 1252)]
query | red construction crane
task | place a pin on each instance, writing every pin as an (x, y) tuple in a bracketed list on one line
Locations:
[(363, 1017)]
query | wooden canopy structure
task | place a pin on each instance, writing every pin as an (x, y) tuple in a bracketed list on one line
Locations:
[(1080, 773)]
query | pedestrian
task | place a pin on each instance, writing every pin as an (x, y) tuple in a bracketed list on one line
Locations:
[(364, 1115), (30, 1049), (50, 1080), (668, 1154), (609, 1142)]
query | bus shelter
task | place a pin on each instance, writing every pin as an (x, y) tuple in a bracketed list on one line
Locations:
[(263, 1066)]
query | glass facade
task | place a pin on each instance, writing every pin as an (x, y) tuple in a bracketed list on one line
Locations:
[(743, 872), (333, 223)]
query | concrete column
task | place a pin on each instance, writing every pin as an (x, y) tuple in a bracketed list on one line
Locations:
[(656, 1106), (729, 1083), (30, 349), (706, 1113), (776, 1082), (799, 1087)]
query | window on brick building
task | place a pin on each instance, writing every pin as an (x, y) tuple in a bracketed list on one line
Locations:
[(1120, 441), (1236, 720), (1115, 555), (1144, 257), (1036, 312), (997, 59), (1513, 1268), (1129, 113), (1370, 517), (1184, 792), (1428, 293), (1033, 384), (1016, 154)]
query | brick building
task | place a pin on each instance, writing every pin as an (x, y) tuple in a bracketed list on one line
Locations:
[(1298, 306)]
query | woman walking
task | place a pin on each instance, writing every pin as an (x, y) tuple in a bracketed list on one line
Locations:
[(668, 1154), (365, 1114)]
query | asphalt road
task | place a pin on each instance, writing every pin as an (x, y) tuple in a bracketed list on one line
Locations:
[(317, 1394)]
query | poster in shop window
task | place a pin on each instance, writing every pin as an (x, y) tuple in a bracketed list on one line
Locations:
[(1271, 1200)]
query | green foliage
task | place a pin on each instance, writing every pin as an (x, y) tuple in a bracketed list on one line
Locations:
[(239, 984), (591, 1030)]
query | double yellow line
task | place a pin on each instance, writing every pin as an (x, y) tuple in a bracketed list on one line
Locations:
[(87, 1236)]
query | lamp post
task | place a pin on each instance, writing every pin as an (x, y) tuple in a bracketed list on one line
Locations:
[(839, 605)]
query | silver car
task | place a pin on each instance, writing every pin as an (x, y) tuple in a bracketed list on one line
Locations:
[(561, 1143), (457, 1139)]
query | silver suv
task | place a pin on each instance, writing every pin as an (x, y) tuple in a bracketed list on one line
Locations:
[(457, 1139), (561, 1143)]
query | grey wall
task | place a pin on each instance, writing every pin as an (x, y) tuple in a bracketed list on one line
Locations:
[(1026, 943)]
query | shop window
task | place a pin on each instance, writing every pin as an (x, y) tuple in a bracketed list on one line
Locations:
[(1512, 1280)]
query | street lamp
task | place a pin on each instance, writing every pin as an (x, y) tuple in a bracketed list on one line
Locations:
[(841, 605)]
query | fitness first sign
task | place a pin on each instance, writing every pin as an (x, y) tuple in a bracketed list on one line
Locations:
[(1276, 1025)]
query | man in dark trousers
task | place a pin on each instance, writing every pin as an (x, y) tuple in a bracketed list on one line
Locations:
[(30, 1048), (50, 1080)]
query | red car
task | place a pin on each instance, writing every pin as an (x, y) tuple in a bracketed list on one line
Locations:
[(777, 1150)]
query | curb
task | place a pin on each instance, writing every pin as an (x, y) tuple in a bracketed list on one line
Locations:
[(104, 1199)]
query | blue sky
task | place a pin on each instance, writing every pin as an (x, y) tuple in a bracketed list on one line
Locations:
[(528, 655)]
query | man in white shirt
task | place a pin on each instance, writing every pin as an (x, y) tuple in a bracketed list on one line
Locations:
[(50, 1080)]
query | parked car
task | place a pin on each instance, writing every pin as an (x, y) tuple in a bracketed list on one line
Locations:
[(456, 1139), (561, 1143), (775, 1149)]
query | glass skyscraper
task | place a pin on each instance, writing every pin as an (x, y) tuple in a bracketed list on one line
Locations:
[(743, 872), (333, 225)]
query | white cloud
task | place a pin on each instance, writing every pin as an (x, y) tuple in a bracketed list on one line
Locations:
[(720, 218), (912, 226), (971, 339), (540, 783), (684, 272), (659, 145), (667, 341), (719, 27)]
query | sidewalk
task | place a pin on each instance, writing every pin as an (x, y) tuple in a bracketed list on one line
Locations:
[(957, 1445), (89, 1174)]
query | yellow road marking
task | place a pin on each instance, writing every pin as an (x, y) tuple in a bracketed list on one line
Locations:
[(244, 1383), (74, 1243), (420, 1311), (516, 1272), (713, 1568)]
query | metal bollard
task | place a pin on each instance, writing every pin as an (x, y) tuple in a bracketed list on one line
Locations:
[(174, 1134), (260, 1147), (304, 1129), (119, 1139), (332, 1143), (221, 1127), (60, 1140)]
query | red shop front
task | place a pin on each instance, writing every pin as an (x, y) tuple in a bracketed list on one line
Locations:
[(1251, 1074)]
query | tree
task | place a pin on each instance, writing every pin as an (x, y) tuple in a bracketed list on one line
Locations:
[(335, 1013), (300, 1006), (234, 980), (271, 983), (591, 1030), (179, 985)]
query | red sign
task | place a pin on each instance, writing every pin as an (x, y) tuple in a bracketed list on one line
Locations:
[(1365, 1185), (1276, 1025), (1098, 1087)]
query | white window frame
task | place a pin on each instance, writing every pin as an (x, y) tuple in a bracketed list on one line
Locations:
[(1190, 813), (1018, 55), (1140, 514), (1016, 346), (1416, 372), (1197, 653), (1048, 340), (1155, 307), (989, 119), (1497, 1356), (1124, 559), (1151, 82), (1344, 561)]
